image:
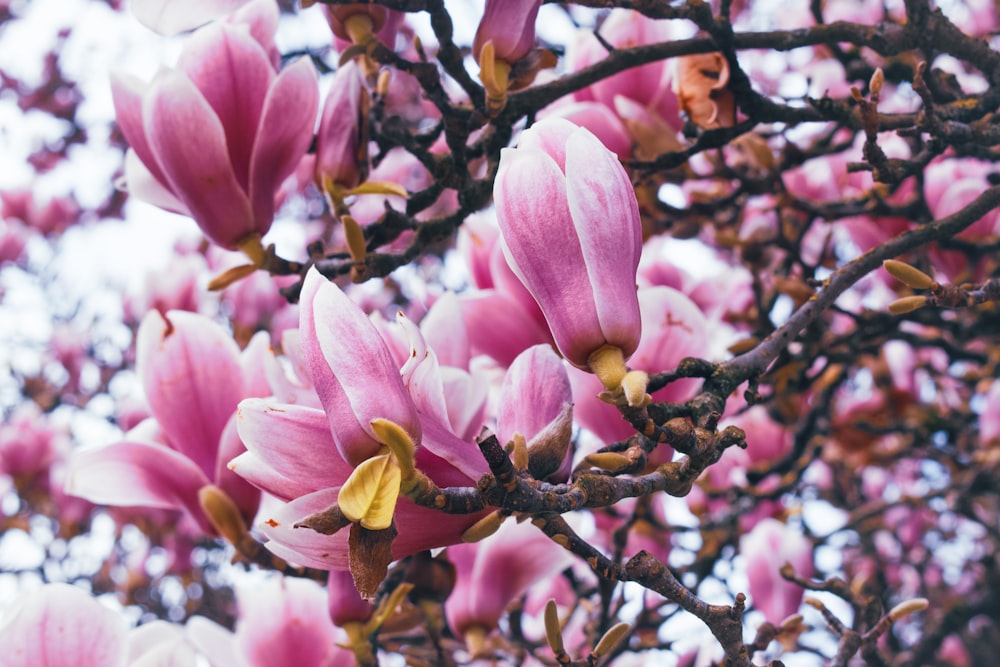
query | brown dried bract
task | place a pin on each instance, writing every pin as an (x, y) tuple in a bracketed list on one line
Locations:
[(701, 88)]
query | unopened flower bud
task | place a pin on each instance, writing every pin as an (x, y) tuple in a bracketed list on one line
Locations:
[(907, 304), (222, 513), (910, 275), (570, 228), (909, 607), (611, 639)]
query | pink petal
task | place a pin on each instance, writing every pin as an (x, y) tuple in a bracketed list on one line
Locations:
[(190, 146), (143, 184), (673, 328), (190, 371), (500, 326), (340, 130), (352, 370), (261, 18), (59, 625), (456, 462), (284, 134), (303, 546), (214, 642), (145, 639), (284, 621), (138, 474), (603, 122), (255, 359), (465, 398), (444, 330), (169, 17), (508, 283), (233, 73), (245, 495), (533, 393), (422, 375), (605, 214), (530, 188), (766, 548), (292, 441), (496, 571), (549, 138), (344, 602), (127, 94)]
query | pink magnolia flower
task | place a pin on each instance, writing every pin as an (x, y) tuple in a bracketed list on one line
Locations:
[(306, 455), (215, 137), (767, 548), (502, 317), (29, 445), (49, 217), (535, 401), (510, 26), (494, 572), (284, 621), (648, 85), (571, 232), (341, 145), (193, 378), (503, 48), (60, 625), (13, 240)]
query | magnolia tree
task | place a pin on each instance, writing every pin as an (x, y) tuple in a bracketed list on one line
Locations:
[(598, 332)]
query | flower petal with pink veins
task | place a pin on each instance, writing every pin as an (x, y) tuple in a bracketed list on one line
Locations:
[(303, 546), (138, 474), (422, 375), (233, 73), (169, 17), (242, 492), (533, 393), (284, 621), (127, 93), (492, 573), (59, 625), (189, 142), (529, 188), (284, 134), (352, 370), (465, 396), (466, 461), (292, 440), (261, 18), (606, 215), (444, 330), (191, 374), (500, 326)]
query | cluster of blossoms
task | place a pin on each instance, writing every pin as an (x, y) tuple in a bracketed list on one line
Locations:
[(423, 452)]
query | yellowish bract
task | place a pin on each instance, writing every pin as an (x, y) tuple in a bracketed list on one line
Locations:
[(369, 494)]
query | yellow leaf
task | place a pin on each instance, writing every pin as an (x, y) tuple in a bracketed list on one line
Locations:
[(369, 494)]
